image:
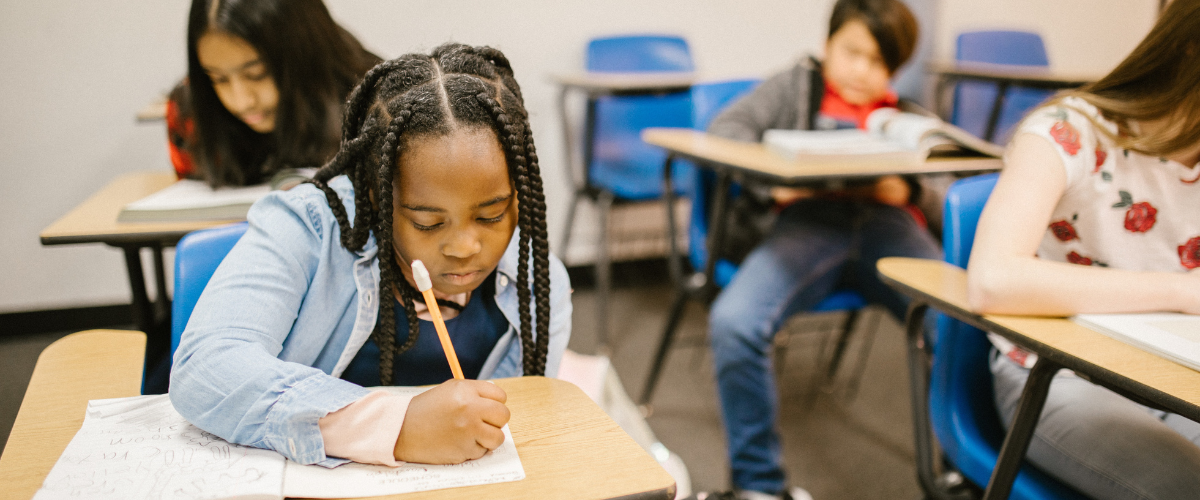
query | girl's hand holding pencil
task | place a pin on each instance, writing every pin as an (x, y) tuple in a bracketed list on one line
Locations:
[(458, 420)]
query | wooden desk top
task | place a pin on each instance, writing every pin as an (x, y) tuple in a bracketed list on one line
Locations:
[(97, 364), (1095, 355), (601, 83), (756, 159), (568, 446), (95, 220), (1033, 76)]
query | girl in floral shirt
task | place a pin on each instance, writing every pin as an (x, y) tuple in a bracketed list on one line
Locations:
[(1098, 211)]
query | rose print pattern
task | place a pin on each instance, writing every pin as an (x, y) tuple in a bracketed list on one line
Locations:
[(1140, 217), (1063, 230), (1075, 258), (1189, 253)]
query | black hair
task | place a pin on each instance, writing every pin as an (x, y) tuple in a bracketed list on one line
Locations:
[(418, 96), (890, 22), (314, 63)]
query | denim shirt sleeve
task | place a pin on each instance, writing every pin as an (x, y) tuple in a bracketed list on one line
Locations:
[(227, 377)]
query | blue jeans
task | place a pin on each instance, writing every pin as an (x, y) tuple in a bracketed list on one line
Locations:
[(815, 247), (1102, 444)]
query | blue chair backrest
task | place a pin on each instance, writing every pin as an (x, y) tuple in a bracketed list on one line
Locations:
[(962, 409), (973, 100), (707, 100), (621, 161), (196, 258)]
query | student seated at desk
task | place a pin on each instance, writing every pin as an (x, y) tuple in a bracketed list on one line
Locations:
[(265, 85), (821, 240), (316, 301), (1097, 210)]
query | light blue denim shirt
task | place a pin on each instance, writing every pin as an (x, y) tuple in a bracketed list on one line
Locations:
[(287, 310)]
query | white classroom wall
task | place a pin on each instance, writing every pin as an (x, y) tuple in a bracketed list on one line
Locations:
[(75, 73)]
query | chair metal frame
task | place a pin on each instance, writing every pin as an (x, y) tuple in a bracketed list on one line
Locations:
[(602, 198), (969, 439)]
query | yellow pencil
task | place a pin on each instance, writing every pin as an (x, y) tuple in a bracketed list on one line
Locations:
[(425, 286)]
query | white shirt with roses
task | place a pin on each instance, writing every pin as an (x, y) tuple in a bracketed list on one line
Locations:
[(1121, 209)]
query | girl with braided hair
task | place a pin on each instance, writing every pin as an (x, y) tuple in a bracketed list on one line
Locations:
[(316, 301)]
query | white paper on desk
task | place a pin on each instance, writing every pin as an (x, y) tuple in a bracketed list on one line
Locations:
[(361, 480), (188, 193), (140, 447), (1171, 335)]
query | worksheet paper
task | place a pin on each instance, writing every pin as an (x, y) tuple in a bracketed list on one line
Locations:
[(140, 447), (1171, 335)]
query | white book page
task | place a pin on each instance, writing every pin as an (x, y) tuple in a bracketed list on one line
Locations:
[(188, 193), (1170, 335), (140, 447), (362, 480)]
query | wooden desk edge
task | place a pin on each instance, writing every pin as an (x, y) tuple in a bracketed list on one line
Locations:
[(670, 139), (995, 323), (52, 401), (31, 472), (111, 232)]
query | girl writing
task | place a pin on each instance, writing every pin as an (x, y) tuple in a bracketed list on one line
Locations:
[(1098, 210), (266, 81), (437, 164)]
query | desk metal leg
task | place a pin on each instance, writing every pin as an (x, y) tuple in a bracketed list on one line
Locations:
[(994, 117), (716, 232), (143, 314), (1016, 443), (918, 379), (603, 273), (673, 258), (152, 318)]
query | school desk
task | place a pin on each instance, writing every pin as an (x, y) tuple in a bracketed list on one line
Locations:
[(95, 221), (568, 446), (1059, 343), (595, 85), (1004, 76), (736, 161)]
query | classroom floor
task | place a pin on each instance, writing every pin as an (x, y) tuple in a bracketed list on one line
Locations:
[(834, 446)]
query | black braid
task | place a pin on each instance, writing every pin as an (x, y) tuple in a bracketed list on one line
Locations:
[(408, 97)]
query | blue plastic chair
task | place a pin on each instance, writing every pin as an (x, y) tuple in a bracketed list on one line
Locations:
[(618, 165), (962, 411), (707, 100), (196, 258), (973, 100)]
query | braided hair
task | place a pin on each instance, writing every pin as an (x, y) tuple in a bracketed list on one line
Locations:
[(418, 95)]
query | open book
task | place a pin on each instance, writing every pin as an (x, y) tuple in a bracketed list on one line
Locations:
[(892, 136), (193, 200), (1170, 335), (141, 448)]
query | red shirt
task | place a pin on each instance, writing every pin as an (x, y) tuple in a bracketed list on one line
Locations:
[(834, 106), (179, 133)]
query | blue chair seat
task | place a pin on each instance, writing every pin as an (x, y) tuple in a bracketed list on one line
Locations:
[(196, 259), (973, 100), (961, 408)]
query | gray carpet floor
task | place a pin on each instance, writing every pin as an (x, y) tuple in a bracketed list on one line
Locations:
[(836, 444)]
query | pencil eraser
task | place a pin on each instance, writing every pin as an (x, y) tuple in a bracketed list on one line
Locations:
[(421, 276)]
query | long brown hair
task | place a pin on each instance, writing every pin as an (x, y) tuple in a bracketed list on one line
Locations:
[(1160, 79)]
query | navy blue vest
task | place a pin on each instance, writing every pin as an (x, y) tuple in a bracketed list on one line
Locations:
[(474, 333)]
